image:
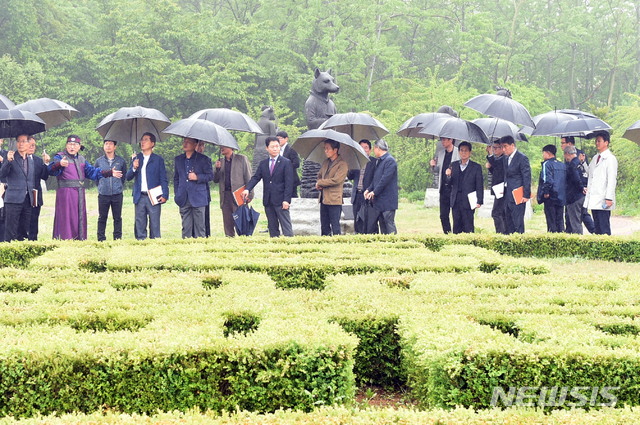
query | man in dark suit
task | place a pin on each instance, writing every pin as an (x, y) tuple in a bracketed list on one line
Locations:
[(383, 190), (276, 174), (18, 171), (191, 177), (41, 172), (288, 152), (465, 177), (495, 165), (362, 178), (149, 171), (517, 174)]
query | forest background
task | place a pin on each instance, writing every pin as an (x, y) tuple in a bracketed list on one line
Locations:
[(391, 58)]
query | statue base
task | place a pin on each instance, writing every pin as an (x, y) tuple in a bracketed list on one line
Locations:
[(305, 217)]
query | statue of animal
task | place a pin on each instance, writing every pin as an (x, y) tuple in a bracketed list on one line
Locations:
[(319, 106)]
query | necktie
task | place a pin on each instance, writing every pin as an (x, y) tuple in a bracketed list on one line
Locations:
[(598, 160), (273, 164)]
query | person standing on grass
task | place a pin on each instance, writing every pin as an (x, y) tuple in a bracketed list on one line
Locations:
[(110, 191), (601, 188)]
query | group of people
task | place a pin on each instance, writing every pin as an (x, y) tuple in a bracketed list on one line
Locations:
[(568, 189), (23, 173)]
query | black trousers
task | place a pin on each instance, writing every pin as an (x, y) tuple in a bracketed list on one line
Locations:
[(555, 217), (33, 225), (17, 220), (113, 202), (602, 222), (514, 217), (497, 213), (445, 209), (330, 219)]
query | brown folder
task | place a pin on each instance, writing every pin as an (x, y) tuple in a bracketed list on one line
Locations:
[(518, 195), (34, 198), (237, 194)]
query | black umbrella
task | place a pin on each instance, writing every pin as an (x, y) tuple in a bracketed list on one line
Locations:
[(14, 122), (5, 103), (547, 123), (358, 125), (229, 119), (501, 106), (245, 219), (53, 112), (204, 130), (576, 112), (413, 126), (130, 123), (455, 128), (496, 128), (581, 127), (310, 145), (633, 132)]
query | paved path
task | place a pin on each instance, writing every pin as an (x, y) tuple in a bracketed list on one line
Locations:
[(624, 226)]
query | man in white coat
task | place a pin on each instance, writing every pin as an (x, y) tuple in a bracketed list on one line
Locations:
[(601, 188)]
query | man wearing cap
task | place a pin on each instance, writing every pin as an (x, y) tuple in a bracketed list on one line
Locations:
[(231, 173), (191, 177), (71, 169), (110, 190), (287, 151), (149, 172), (383, 190), (18, 172)]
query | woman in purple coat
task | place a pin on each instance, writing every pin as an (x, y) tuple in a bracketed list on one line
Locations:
[(71, 169)]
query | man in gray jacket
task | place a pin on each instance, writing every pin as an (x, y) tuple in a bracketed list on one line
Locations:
[(110, 190)]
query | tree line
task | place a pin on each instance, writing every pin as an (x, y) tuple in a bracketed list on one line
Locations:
[(392, 58)]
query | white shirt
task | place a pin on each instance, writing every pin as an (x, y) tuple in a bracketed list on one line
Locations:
[(143, 173)]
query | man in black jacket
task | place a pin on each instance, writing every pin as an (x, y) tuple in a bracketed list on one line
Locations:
[(517, 177), (287, 151), (18, 170), (361, 180), (467, 191), (41, 172), (495, 166)]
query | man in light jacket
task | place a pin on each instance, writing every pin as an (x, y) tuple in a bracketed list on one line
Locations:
[(231, 173), (601, 188), (330, 183)]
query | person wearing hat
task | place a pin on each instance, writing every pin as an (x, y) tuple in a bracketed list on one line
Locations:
[(71, 169), (110, 190)]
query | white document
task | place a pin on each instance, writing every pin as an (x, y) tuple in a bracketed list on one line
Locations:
[(155, 193), (473, 199), (498, 190)]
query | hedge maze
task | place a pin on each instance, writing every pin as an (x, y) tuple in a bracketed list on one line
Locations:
[(262, 325)]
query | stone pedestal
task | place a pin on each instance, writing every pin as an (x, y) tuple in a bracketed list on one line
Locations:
[(305, 217)]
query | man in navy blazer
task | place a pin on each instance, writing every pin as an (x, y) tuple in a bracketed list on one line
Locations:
[(41, 172), (362, 178), (517, 173), (149, 171), (383, 190), (276, 174), (465, 177), (17, 170), (193, 172)]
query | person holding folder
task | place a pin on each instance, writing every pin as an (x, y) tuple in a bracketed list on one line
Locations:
[(517, 182), (467, 190), (232, 173)]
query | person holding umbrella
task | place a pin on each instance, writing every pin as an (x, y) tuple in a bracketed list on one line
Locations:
[(231, 173), (150, 174), (110, 191), (383, 190), (330, 181), (41, 174), (71, 169), (441, 162), (191, 178)]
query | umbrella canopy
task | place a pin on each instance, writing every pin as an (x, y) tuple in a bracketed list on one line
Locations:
[(633, 132), (229, 119), (581, 127), (496, 128), (245, 219), (310, 145), (204, 130), (576, 112), (5, 103), (357, 125), (413, 126), (501, 106), (53, 112), (129, 124), (14, 122), (547, 123), (455, 128)]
